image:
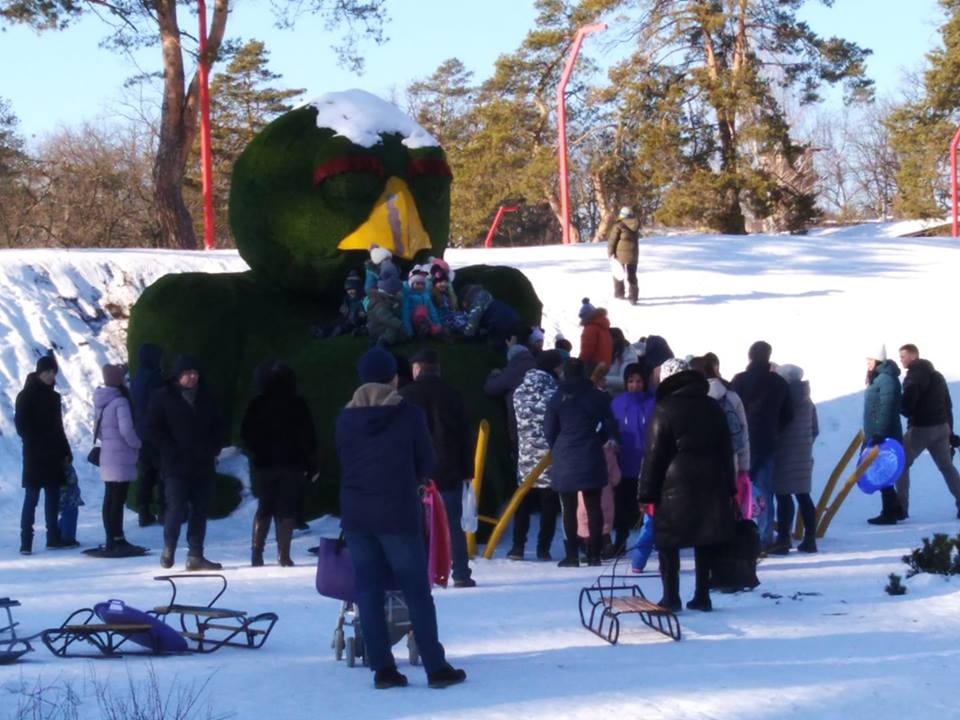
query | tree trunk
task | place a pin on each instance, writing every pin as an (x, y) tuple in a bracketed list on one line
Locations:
[(178, 123), (730, 217), (608, 209), (554, 201)]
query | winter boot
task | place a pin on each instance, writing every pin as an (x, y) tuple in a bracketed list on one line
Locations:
[(609, 551), (445, 677), (781, 546), (284, 538), (700, 601), (261, 526), (890, 510), (670, 577), (572, 558), (808, 544), (166, 557), (199, 562), (543, 553), (389, 678), (26, 543), (515, 553)]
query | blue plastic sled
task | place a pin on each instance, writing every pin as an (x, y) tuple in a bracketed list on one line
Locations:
[(884, 471)]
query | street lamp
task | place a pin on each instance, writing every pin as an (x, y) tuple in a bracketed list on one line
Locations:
[(496, 223)]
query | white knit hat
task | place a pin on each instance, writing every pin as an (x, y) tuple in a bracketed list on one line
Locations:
[(672, 367), (379, 254), (879, 355), (626, 212)]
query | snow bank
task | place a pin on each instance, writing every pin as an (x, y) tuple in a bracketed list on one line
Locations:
[(819, 638), (362, 117)]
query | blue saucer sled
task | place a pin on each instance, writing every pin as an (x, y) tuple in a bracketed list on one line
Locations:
[(885, 469)]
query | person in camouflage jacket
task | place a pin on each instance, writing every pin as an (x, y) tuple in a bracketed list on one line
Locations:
[(530, 405)]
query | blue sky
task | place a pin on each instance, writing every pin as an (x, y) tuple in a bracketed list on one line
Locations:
[(61, 79)]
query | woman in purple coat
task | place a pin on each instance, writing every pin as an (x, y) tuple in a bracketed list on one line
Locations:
[(632, 410), (119, 446)]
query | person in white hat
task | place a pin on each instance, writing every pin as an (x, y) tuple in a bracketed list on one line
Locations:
[(622, 249)]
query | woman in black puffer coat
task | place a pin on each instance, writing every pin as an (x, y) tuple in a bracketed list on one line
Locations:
[(688, 475)]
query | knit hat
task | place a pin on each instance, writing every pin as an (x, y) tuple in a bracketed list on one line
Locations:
[(515, 350), (417, 275), (113, 375), (626, 212), (376, 366), (438, 275), (879, 355), (672, 367), (47, 362), (585, 309), (790, 373), (353, 281), (379, 254), (184, 363), (550, 360)]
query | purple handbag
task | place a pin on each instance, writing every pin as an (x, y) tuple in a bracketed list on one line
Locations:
[(335, 574)]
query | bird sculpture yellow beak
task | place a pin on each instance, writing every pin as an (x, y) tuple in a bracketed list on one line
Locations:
[(394, 224)]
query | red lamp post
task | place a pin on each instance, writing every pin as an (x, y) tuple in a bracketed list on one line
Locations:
[(953, 182), (562, 125), (206, 157), (496, 223)]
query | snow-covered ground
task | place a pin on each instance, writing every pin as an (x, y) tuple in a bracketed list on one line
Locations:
[(819, 638)]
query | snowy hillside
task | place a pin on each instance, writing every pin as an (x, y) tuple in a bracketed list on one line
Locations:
[(826, 642)]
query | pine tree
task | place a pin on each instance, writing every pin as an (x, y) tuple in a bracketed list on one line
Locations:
[(922, 127), (731, 56)]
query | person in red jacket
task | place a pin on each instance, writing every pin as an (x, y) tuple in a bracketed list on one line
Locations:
[(596, 343)]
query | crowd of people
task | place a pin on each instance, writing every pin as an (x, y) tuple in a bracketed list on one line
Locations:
[(650, 452)]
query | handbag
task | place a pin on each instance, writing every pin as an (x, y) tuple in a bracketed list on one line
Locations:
[(468, 518), (335, 574), (93, 457), (734, 563)]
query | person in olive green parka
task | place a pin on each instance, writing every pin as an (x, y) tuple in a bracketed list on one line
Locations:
[(622, 246)]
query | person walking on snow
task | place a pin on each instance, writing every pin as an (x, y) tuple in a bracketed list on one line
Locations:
[(119, 446), (147, 380), (929, 411), (453, 443), (38, 417), (623, 249), (881, 420), (386, 453), (186, 426)]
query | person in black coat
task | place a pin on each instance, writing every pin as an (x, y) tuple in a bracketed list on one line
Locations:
[(929, 411), (577, 424), (766, 399), (503, 382), (148, 379), (186, 427), (386, 453), (688, 475), (453, 444), (38, 418), (280, 437)]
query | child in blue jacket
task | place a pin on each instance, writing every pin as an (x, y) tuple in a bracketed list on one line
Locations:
[(419, 316)]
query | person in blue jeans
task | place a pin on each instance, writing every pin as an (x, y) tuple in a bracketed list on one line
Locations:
[(386, 453), (766, 400)]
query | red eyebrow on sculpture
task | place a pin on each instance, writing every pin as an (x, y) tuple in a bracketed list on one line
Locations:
[(347, 163), (428, 166)]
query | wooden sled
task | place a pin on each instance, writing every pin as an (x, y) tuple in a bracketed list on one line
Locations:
[(12, 648), (208, 627), (613, 595)]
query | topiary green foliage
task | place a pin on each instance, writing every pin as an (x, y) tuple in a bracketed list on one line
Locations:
[(895, 586), (227, 493), (287, 225), (504, 283), (940, 556), (298, 193)]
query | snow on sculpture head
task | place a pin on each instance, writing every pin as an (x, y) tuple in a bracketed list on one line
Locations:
[(321, 184)]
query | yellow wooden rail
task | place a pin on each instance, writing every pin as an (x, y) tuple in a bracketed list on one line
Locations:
[(832, 482), (508, 512), (847, 487), (479, 463)]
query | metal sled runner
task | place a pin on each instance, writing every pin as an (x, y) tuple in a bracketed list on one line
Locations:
[(82, 629), (613, 595), (12, 648), (210, 627)]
